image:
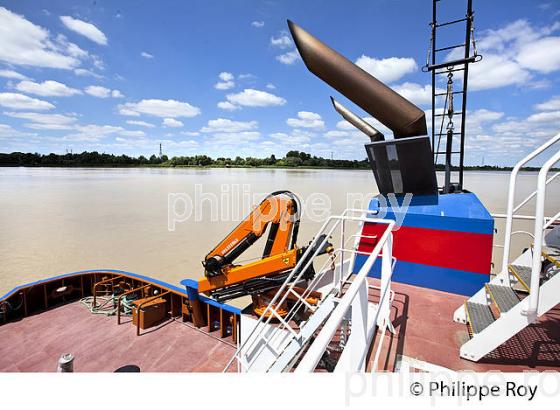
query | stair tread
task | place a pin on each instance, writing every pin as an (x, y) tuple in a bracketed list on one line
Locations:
[(523, 274), (479, 315), (503, 296)]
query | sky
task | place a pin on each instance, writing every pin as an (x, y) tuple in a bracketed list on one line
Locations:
[(223, 78)]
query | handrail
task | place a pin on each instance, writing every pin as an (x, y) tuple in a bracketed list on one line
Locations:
[(315, 352), (532, 311), (99, 283), (139, 307), (532, 195), (551, 220), (267, 315), (511, 199), (120, 299)]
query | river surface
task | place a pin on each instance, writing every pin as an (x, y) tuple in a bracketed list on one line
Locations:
[(59, 220)]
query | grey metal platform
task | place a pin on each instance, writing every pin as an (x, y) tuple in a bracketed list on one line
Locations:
[(504, 297), (480, 316)]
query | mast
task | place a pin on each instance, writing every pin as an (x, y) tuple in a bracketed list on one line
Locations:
[(438, 65)]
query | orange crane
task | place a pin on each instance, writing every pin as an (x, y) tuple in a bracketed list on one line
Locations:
[(280, 213)]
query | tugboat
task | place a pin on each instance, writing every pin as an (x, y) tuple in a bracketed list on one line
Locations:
[(404, 285)]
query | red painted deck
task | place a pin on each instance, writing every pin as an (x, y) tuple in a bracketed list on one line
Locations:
[(34, 344), (423, 319)]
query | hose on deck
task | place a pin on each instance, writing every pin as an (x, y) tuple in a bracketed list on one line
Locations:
[(107, 305)]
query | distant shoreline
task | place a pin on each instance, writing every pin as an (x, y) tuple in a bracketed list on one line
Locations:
[(292, 160), (438, 169)]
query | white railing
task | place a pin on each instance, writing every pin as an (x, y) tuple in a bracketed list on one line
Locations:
[(512, 209), (356, 298), (263, 335), (532, 311)]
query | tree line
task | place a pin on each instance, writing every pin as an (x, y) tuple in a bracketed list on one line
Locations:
[(96, 159)]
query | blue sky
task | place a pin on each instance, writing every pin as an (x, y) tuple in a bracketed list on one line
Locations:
[(223, 78)]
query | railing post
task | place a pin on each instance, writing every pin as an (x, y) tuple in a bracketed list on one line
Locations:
[(339, 277), (386, 271), (359, 327), (532, 311)]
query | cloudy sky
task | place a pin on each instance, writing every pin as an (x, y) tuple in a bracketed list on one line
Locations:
[(223, 77)]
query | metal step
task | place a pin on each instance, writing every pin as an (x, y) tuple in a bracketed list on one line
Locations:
[(523, 275), (552, 254), (479, 316), (504, 297), (307, 330)]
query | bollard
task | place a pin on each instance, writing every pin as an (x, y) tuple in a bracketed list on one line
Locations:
[(66, 363), (196, 305)]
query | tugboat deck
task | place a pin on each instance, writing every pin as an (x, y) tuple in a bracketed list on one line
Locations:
[(425, 331), (34, 344)]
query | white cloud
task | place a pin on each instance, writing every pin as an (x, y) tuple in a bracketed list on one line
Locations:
[(159, 108), (257, 24), (224, 125), (45, 121), (102, 92), (225, 76), (140, 123), (296, 138), (495, 71), (254, 98), (7, 131), (135, 133), (545, 117), (551, 105), (82, 72), (283, 41), (47, 88), (226, 81), (12, 74), (234, 138), (172, 123), (98, 91), (24, 43), (271, 86), (146, 55), (306, 119), (85, 29), (542, 55), (337, 134), (416, 93), (23, 102), (288, 58), (512, 55), (387, 70), (226, 105)]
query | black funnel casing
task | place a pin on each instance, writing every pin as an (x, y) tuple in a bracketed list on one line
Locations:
[(391, 109)]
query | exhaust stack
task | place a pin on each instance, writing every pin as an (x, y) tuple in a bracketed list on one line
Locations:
[(356, 121), (391, 109)]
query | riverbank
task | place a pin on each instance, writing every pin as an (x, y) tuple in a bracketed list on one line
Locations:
[(292, 159)]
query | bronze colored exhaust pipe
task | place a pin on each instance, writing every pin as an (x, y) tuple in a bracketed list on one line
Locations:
[(356, 121), (391, 109)]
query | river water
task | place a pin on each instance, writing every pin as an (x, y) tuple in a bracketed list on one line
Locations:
[(58, 220)]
